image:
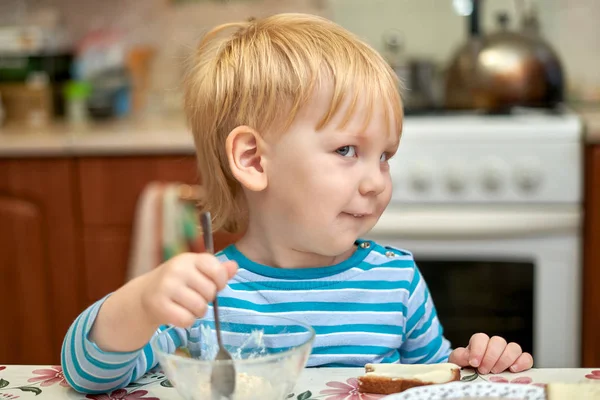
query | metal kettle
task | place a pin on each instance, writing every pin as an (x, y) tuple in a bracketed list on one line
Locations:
[(504, 69)]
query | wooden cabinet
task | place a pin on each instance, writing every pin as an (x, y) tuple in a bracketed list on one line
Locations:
[(65, 228), (591, 271), (40, 262), (109, 190), (65, 234)]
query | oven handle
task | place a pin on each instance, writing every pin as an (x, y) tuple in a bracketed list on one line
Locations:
[(454, 223)]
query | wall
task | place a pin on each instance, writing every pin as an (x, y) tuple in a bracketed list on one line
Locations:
[(172, 28)]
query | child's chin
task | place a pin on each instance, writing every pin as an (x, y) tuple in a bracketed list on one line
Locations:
[(342, 244)]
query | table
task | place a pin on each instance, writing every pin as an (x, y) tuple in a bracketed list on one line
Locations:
[(47, 382)]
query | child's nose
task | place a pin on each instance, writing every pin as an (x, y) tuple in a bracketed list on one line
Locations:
[(373, 182)]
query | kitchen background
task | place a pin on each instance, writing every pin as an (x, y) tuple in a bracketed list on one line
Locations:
[(161, 33), (91, 121)]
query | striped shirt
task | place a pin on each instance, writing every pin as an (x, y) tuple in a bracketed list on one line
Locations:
[(373, 307)]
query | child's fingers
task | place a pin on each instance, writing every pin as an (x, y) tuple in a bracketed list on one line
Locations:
[(174, 314), (212, 268), (494, 350), (202, 285), (477, 346), (231, 267), (460, 357), (523, 363), (191, 300), (509, 356)]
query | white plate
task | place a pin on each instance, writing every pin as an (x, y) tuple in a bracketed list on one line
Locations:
[(478, 390)]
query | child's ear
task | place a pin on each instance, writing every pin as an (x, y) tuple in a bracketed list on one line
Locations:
[(245, 152)]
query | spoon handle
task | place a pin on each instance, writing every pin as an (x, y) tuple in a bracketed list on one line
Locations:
[(205, 221)]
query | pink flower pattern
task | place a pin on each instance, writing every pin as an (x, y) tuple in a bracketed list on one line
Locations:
[(347, 391), (49, 377), (122, 394), (522, 380), (594, 375), (339, 391)]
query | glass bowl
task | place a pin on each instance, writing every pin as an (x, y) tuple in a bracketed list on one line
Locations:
[(269, 354)]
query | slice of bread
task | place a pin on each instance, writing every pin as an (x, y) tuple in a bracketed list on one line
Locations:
[(396, 378), (568, 391)]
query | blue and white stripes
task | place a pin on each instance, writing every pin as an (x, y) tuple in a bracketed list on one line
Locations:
[(373, 307), (87, 368)]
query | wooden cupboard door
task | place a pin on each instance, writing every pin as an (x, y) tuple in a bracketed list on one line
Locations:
[(40, 262), (27, 333), (111, 186), (110, 190), (591, 269), (106, 254)]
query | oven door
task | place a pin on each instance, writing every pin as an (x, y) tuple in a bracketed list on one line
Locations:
[(510, 272)]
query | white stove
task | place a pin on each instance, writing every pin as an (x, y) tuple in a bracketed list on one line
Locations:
[(518, 159), (488, 196)]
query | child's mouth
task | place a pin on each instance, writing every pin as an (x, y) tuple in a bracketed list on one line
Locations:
[(357, 215)]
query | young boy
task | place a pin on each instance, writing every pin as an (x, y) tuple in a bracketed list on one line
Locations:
[(294, 120)]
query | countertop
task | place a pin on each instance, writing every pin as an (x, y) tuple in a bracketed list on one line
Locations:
[(591, 119), (126, 137), (157, 135)]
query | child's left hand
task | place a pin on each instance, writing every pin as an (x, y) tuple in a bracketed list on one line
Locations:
[(491, 355)]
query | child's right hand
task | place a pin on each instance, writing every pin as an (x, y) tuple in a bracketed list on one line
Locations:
[(178, 291)]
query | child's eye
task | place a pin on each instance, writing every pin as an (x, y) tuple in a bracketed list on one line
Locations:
[(347, 151), (384, 157)]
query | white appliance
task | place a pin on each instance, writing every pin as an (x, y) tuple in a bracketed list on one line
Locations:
[(501, 193)]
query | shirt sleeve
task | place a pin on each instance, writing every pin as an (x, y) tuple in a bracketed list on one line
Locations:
[(89, 369), (424, 340)]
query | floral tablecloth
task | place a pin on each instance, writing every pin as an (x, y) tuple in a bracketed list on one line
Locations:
[(47, 382)]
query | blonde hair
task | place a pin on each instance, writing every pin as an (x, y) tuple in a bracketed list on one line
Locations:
[(262, 73)]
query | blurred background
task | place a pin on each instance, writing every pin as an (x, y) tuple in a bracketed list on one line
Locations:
[(134, 50), (497, 182)]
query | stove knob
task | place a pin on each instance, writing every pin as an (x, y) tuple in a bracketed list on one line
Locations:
[(456, 179), (528, 176), (492, 177), (421, 178)]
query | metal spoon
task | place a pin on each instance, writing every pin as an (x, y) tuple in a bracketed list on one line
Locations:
[(222, 378)]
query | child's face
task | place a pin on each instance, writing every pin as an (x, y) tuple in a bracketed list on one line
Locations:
[(327, 188)]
